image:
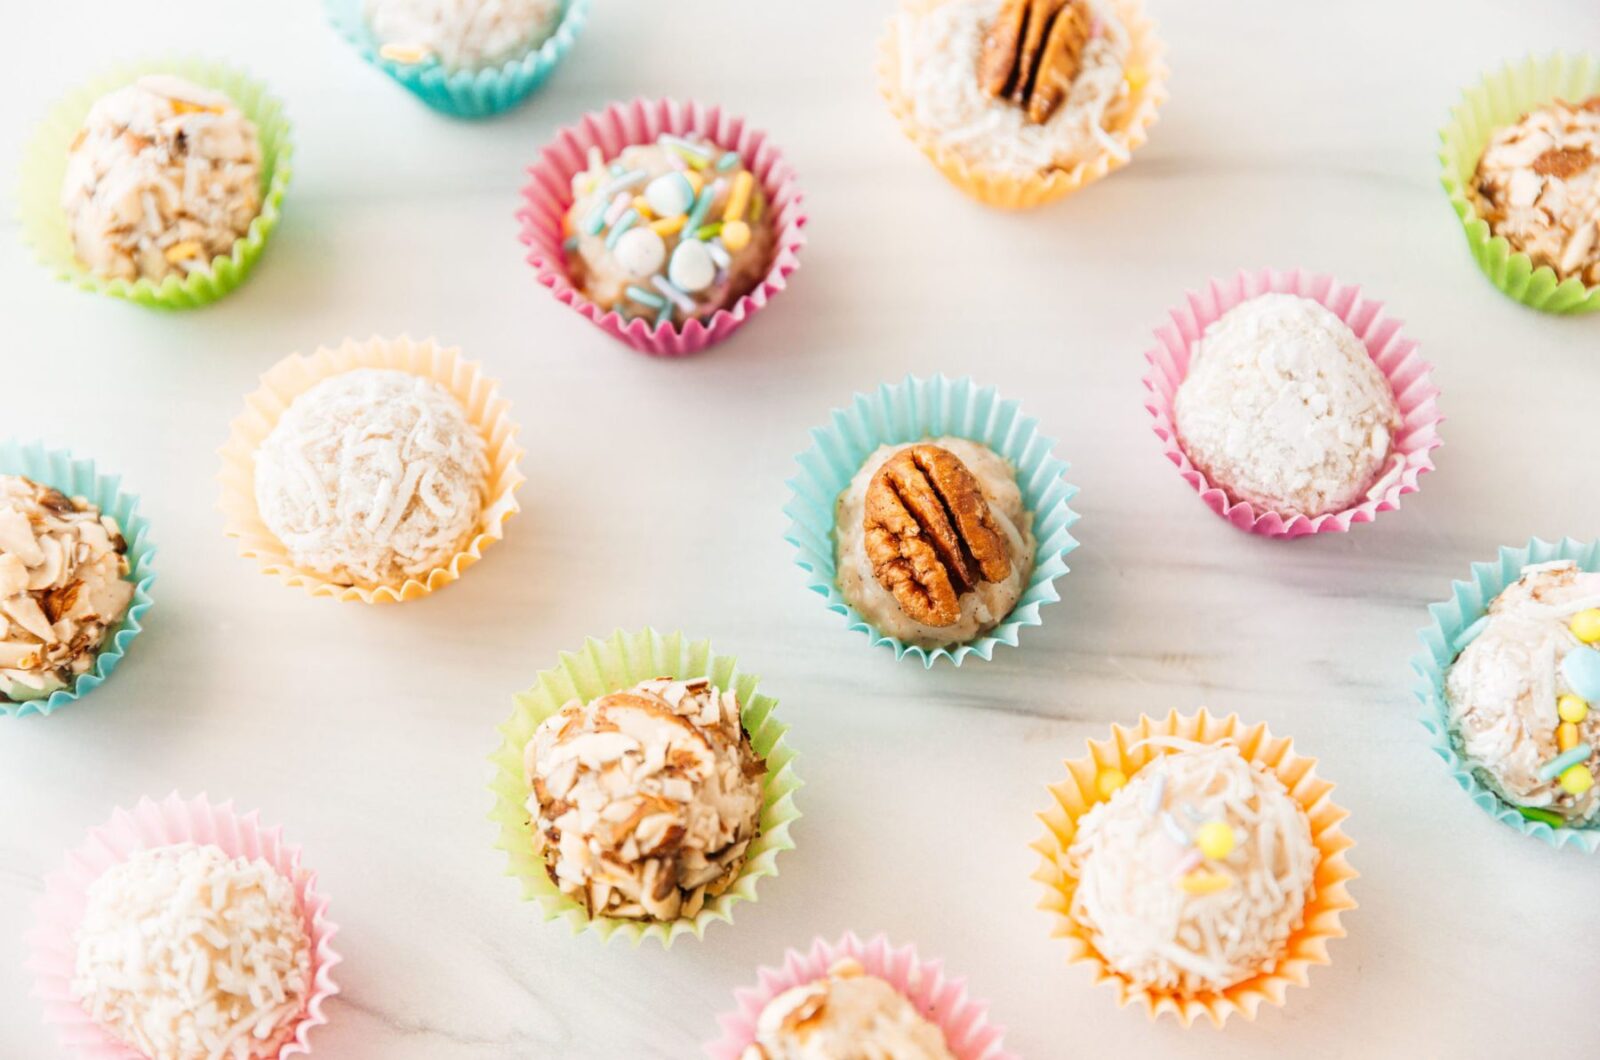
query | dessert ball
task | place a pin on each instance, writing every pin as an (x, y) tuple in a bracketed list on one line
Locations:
[(668, 231), (644, 802), (1192, 875), (187, 954), (1283, 407), (63, 587), (1016, 86), (1519, 693), (164, 176), (461, 34), (846, 1015), (1538, 186), (933, 545), (372, 477)]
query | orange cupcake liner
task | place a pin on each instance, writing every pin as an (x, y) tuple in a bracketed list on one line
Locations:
[(1006, 190), (1307, 945), (486, 410)]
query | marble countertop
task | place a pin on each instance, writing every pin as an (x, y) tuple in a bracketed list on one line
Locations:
[(1297, 134)]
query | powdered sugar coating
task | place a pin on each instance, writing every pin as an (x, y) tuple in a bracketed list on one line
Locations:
[(164, 176), (1502, 689), (1284, 408), (372, 477), (940, 41), (1129, 865), (845, 1015), (464, 34)]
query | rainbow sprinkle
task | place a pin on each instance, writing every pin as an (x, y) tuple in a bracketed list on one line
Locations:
[(629, 218), (728, 161)]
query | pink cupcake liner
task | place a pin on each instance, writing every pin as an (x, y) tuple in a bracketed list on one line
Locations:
[(51, 950), (548, 194), (940, 998), (1409, 376)]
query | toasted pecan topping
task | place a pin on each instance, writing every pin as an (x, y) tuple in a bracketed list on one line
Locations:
[(1033, 52)]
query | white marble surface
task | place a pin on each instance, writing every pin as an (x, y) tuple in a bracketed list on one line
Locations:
[(1298, 133)]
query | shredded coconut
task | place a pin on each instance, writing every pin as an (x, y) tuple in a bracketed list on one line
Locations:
[(846, 1015), (939, 47), (187, 954), (467, 34), (1283, 407), (371, 477), (163, 177), (1131, 852)]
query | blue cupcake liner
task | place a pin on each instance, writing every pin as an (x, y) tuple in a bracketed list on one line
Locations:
[(465, 93), (909, 411), (1451, 619), (78, 478)]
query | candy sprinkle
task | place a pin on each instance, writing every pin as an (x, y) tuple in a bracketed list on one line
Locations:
[(1562, 762), (668, 226), (718, 255), (405, 54), (644, 297), (1174, 831), (728, 161), (674, 295), (1158, 793), (739, 198), (629, 218), (1554, 820), (1199, 883), (701, 207)]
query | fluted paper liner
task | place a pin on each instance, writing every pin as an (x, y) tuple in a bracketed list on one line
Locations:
[(1442, 642), (44, 166), (941, 998), (1306, 946), (52, 950), (478, 93), (548, 195), (1410, 378), (486, 410), (619, 662), (909, 411), (1501, 98), (78, 478), (1008, 190)]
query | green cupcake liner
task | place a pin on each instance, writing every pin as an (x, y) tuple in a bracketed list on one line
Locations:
[(44, 165), (1442, 642), (910, 411), (1500, 99), (465, 93), (616, 663), (78, 478)]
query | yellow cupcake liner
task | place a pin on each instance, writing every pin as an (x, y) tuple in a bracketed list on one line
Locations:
[(1307, 945), (1148, 90), (480, 396)]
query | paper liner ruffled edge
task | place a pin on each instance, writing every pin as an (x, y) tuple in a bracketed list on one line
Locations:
[(1500, 98), (52, 952), (79, 478), (1306, 947), (481, 93), (1408, 375), (1450, 619), (1012, 192), (941, 998), (44, 163), (620, 661), (909, 411), (548, 194), (479, 395)]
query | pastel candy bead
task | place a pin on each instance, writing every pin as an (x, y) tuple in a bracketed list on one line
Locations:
[(1585, 625), (640, 252), (735, 236), (670, 195), (691, 268), (1107, 781), (1577, 780), (1581, 669), (1215, 839), (1572, 708)]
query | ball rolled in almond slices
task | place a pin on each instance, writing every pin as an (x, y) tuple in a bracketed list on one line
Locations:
[(846, 1013)]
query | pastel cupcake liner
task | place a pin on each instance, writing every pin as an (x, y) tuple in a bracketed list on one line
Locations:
[(1307, 946), (52, 950), (1501, 98), (1007, 190), (909, 411), (44, 167), (548, 195), (1409, 376), (1442, 641), (464, 93), (619, 662), (943, 999), (479, 395), (78, 478)]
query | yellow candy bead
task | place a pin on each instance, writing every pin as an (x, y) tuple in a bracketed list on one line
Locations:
[(1566, 736), (1136, 78), (643, 206), (1585, 625), (1215, 839), (1108, 781), (1572, 708), (1202, 882), (1577, 780), (735, 236)]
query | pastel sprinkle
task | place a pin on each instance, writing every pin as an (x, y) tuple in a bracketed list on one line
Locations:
[(1174, 831), (739, 198), (644, 297), (1206, 882), (641, 204), (1470, 634), (624, 182), (1566, 736), (718, 255), (596, 220), (675, 296), (616, 169), (405, 54), (1189, 862), (1191, 811), (758, 206), (1564, 761), (697, 213), (668, 226), (1158, 792), (710, 231), (1554, 820), (569, 244), (692, 152), (727, 161), (665, 314), (615, 210), (629, 218)]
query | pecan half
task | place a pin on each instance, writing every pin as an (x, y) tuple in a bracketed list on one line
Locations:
[(1033, 52), (930, 533)]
